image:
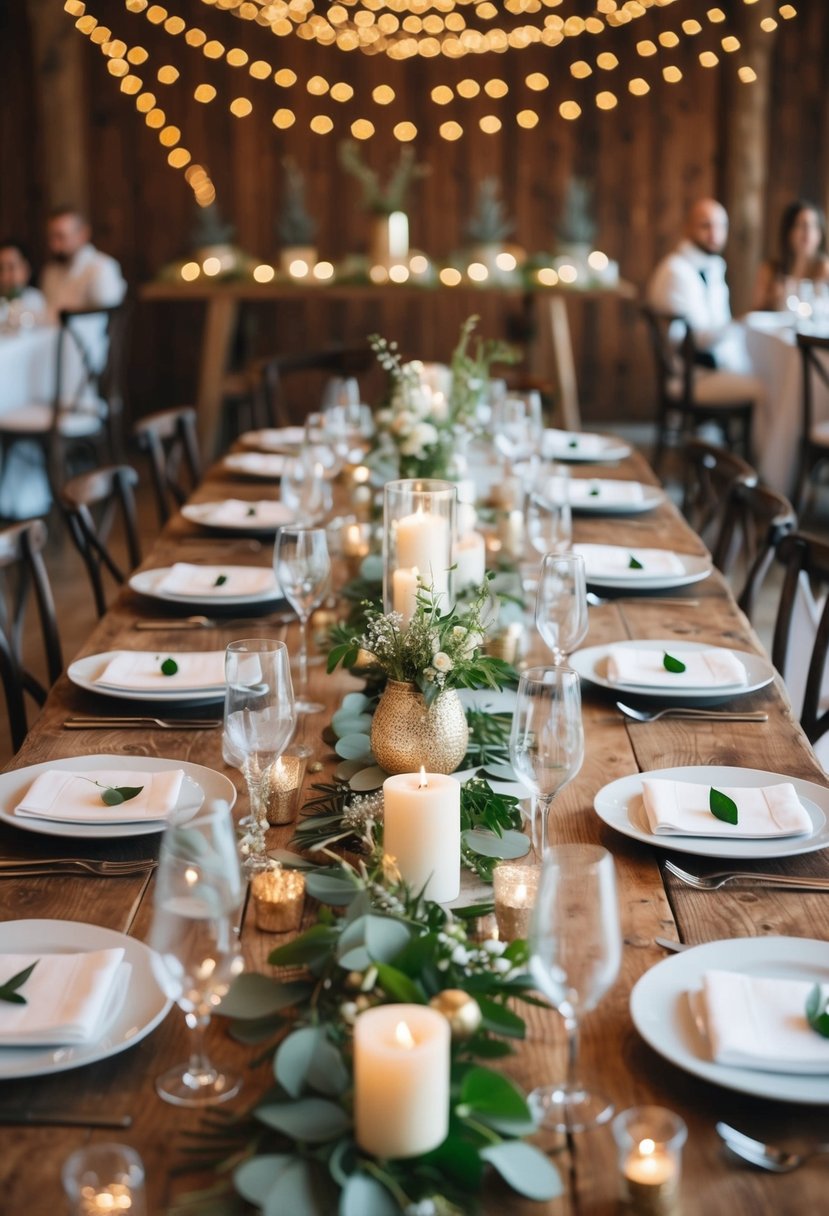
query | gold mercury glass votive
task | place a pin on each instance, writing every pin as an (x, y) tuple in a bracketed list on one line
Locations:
[(515, 888), (284, 784), (278, 899)]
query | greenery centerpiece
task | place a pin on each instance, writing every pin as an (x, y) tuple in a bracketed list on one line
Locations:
[(296, 226)]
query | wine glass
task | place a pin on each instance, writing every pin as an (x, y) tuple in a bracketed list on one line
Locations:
[(514, 428), (549, 522), (323, 445), (259, 719), (199, 891), (302, 567), (575, 955), (561, 603), (546, 743), (304, 489)]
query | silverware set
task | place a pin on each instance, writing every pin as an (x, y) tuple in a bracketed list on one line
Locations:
[(722, 878), (770, 1157), (685, 711), (104, 722)]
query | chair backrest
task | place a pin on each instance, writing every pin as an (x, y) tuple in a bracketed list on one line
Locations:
[(804, 554), (709, 474), (22, 569), (754, 522), (95, 369), (91, 503), (811, 350), (170, 440), (672, 342), (273, 407)]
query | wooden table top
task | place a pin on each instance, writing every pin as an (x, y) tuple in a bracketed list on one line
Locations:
[(652, 904)]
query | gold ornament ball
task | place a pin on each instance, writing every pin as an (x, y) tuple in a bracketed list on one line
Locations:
[(462, 1011)]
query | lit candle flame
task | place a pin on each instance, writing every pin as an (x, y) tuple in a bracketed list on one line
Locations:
[(424, 780), (403, 1036), (521, 893), (647, 1147)]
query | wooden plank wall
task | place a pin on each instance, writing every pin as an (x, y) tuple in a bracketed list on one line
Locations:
[(646, 160)]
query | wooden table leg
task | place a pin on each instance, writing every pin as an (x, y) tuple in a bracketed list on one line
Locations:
[(565, 367), (217, 336)]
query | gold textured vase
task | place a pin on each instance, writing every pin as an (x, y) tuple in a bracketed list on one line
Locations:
[(406, 735)]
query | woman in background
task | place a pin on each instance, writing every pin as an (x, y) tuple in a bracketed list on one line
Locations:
[(801, 255)]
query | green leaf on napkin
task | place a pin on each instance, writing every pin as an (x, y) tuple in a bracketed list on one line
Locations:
[(8, 991), (220, 581), (593, 492), (251, 511), (574, 443), (633, 564), (169, 667), (722, 807), (672, 664), (114, 795), (817, 1009)]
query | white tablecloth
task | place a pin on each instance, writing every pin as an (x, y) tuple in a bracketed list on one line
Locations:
[(775, 361)]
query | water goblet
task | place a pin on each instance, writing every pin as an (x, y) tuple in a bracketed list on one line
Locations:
[(199, 891), (575, 955), (561, 603), (302, 566), (546, 740), (304, 488)]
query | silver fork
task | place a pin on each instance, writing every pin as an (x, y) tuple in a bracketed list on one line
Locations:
[(767, 1156), (74, 865), (104, 723), (209, 622), (712, 882), (598, 601), (683, 711)]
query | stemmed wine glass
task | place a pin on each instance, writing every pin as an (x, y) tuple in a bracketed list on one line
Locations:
[(302, 567), (304, 488), (259, 720), (198, 893), (515, 428), (575, 955), (546, 743), (561, 603)]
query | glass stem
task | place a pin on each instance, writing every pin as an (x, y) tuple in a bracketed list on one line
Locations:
[(303, 658), (544, 805), (199, 1067), (571, 1025)]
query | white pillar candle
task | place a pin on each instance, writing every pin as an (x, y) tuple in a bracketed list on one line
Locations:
[(470, 561), (422, 831), (423, 544), (401, 1080), (398, 236), (404, 585)]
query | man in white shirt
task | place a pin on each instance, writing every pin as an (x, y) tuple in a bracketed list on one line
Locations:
[(690, 283), (15, 276), (78, 275)]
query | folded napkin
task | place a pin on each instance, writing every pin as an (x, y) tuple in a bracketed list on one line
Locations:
[(274, 439), (557, 443), (75, 798), (680, 808), (141, 669), (70, 998), (715, 668), (186, 579), (256, 464), (237, 513), (615, 560), (755, 1022), (583, 491)]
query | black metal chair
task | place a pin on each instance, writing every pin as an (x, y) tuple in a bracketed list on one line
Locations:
[(272, 406), (170, 440), (814, 436), (802, 553), (23, 571), (755, 521), (709, 472), (91, 503)]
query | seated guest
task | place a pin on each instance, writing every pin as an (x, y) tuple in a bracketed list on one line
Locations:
[(78, 275), (15, 277), (801, 254), (690, 283)]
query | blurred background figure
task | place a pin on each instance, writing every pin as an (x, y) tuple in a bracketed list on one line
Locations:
[(15, 279), (78, 275), (800, 258)]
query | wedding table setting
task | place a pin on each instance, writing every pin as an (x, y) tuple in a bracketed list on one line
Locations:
[(392, 854)]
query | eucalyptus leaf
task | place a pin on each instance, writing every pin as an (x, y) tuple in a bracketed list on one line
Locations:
[(722, 807), (256, 996), (346, 770), (345, 722), (501, 772), (296, 1191), (356, 959), (254, 1179), (343, 1160), (292, 861), (491, 1099), (330, 888), (354, 747), (674, 665), (307, 1058), (356, 702), (506, 847), (368, 779), (525, 1168), (365, 1196), (313, 1119), (313, 945), (385, 938), (817, 1009)]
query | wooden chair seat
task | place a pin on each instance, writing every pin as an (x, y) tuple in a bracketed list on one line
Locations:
[(37, 420)]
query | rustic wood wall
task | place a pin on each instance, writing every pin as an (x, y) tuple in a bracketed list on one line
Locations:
[(646, 160)]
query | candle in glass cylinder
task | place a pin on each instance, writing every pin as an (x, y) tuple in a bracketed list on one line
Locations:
[(470, 560), (423, 544), (649, 1140), (422, 831), (515, 888), (404, 588), (401, 1080)]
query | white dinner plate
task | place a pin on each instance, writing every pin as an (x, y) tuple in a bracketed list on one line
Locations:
[(591, 664), (661, 1010), (256, 464), (148, 582), (566, 448), (202, 513), (620, 806), (605, 504), (200, 784), (695, 568), (84, 674), (274, 439), (145, 1005)]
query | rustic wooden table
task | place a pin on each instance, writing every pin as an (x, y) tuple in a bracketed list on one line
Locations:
[(652, 904)]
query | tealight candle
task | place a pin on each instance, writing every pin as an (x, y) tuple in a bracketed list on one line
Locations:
[(401, 1080), (422, 831), (278, 900), (282, 785), (355, 540), (104, 1178), (650, 1140), (515, 888), (470, 560)]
